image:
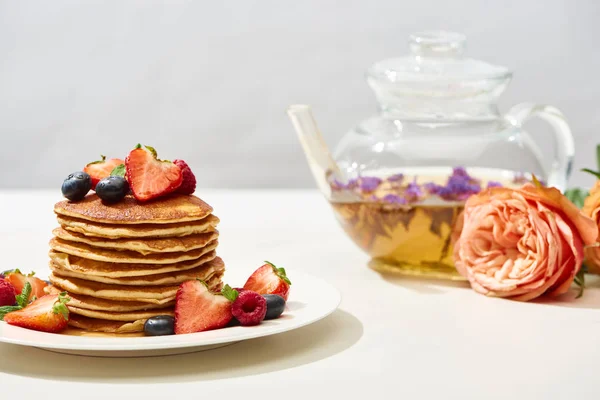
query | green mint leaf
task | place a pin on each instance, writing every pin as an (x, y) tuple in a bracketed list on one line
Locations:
[(229, 293), (60, 307), (23, 298), (119, 170), (6, 309), (12, 271), (577, 196), (589, 171), (138, 146), (580, 281), (152, 150), (280, 272)]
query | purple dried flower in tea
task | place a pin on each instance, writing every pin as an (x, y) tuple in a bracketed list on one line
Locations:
[(492, 184), (394, 199), (369, 184)]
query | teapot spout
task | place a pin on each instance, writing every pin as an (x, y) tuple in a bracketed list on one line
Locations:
[(321, 163)]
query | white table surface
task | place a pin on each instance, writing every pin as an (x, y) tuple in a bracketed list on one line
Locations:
[(392, 336)]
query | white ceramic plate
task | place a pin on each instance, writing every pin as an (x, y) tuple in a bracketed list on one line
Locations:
[(310, 300)]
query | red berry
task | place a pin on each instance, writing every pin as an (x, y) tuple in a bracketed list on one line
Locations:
[(101, 169), (249, 308), (7, 293), (198, 309), (188, 185), (269, 279), (49, 313), (150, 177), (18, 281)]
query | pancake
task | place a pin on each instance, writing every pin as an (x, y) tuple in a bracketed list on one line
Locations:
[(142, 246), (164, 210), (117, 270), (153, 294), (156, 294), (114, 231), (120, 316), (203, 272), (103, 325), (121, 256), (94, 303)]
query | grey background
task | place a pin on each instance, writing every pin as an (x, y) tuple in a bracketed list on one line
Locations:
[(209, 81)]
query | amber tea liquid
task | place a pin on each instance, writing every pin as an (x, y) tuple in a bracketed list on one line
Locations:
[(412, 239)]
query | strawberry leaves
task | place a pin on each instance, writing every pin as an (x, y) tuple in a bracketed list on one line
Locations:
[(280, 272), (119, 170), (229, 293), (60, 307)]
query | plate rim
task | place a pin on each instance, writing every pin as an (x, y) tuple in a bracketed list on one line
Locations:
[(147, 343)]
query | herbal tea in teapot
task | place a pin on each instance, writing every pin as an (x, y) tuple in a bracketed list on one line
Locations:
[(405, 220), (399, 179)]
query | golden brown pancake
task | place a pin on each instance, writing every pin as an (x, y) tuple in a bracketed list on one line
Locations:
[(156, 294), (202, 272), (117, 270), (137, 231), (142, 246), (152, 294), (164, 210), (103, 325), (121, 256), (94, 303), (120, 316)]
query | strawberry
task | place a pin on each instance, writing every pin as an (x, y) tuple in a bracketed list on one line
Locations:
[(188, 185), (198, 309), (150, 177), (18, 280), (269, 279), (101, 169), (49, 313), (7, 293)]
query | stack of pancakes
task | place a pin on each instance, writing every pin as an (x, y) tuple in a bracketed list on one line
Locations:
[(122, 263)]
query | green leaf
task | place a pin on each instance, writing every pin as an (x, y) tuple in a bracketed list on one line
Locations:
[(577, 196), (6, 309), (23, 298), (152, 150), (280, 272), (229, 293), (100, 161), (60, 307), (580, 281), (589, 171), (32, 273), (536, 182), (138, 146), (119, 170), (12, 271)]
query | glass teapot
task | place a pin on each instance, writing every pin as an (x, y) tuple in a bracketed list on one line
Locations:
[(398, 181)]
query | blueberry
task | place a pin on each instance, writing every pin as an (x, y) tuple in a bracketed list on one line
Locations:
[(76, 186), (112, 189), (275, 305), (160, 325)]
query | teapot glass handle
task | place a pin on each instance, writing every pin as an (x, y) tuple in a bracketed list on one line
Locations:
[(564, 143)]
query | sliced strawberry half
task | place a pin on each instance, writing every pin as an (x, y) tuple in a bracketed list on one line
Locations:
[(150, 177), (269, 279), (18, 280), (198, 309), (49, 313), (101, 169)]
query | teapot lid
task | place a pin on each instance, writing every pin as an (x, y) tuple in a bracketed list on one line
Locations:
[(437, 81), (436, 55)]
